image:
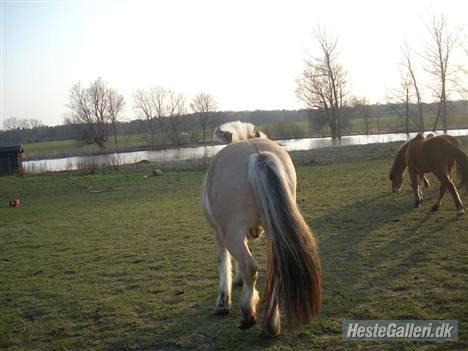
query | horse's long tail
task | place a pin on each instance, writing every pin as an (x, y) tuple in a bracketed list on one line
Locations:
[(293, 272), (462, 164)]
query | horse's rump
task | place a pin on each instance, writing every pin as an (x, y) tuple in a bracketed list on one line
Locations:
[(453, 152)]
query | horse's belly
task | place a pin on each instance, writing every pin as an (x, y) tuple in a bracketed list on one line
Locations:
[(234, 204)]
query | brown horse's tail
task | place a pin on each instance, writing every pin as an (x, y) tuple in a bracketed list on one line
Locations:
[(462, 164), (293, 272)]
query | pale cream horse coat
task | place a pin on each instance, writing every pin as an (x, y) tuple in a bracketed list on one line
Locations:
[(236, 131), (252, 183)]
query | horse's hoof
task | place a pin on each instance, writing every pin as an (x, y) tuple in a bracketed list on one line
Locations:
[(461, 211), (435, 207), (270, 334), (221, 310), (272, 330), (248, 323)]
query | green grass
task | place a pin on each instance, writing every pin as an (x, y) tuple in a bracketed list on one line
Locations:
[(70, 146), (389, 124), (386, 124), (83, 267), (51, 147)]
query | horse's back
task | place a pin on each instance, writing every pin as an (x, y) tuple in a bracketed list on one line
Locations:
[(233, 160), (230, 195), (425, 154)]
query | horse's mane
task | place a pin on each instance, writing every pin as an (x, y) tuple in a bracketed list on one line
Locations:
[(236, 131)]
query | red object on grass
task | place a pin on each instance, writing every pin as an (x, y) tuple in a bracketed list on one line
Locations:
[(15, 203)]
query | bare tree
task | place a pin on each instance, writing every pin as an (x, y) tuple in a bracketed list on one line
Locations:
[(95, 109), (360, 109), (400, 98), (175, 110), (35, 123), (410, 69), (81, 115), (14, 123), (116, 105), (323, 83), (144, 106), (152, 104), (163, 110), (462, 83), (204, 105), (97, 99), (20, 128), (437, 54)]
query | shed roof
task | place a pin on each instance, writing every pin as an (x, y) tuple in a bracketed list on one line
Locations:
[(11, 148)]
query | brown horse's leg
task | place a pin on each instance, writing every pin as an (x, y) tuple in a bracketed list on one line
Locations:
[(442, 190), (426, 182), (450, 167), (453, 190), (415, 185), (223, 302)]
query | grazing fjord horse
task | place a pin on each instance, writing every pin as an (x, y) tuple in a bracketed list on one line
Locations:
[(251, 184), (436, 154)]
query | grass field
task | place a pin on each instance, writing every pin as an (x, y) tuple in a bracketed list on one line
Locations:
[(125, 261), (63, 148), (386, 124)]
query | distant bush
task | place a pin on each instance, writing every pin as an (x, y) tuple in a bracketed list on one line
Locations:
[(286, 130)]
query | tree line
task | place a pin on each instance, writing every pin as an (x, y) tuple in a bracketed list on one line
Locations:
[(96, 109), (279, 124)]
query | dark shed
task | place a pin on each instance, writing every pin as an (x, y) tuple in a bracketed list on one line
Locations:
[(11, 159)]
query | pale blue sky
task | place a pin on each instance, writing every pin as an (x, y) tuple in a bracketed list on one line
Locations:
[(245, 53)]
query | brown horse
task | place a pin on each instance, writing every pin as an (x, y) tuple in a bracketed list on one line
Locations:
[(436, 154), (252, 184), (399, 163)]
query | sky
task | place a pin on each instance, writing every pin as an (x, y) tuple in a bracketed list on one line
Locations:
[(247, 54)]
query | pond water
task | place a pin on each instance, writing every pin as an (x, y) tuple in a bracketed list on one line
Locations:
[(188, 153)]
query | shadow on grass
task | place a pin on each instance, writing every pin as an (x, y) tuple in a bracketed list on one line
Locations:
[(363, 246), (198, 328), (368, 246)]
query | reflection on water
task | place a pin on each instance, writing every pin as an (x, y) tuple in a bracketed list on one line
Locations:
[(188, 153)]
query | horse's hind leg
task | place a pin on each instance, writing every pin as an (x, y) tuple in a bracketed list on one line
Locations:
[(271, 325), (223, 302), (447, 184), (442, 190), (415, 184), (237, 276), (421, 180), (236, 243), (453, 191), (426, 182)]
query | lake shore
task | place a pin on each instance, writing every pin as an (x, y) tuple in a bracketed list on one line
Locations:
[(323, 155)]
